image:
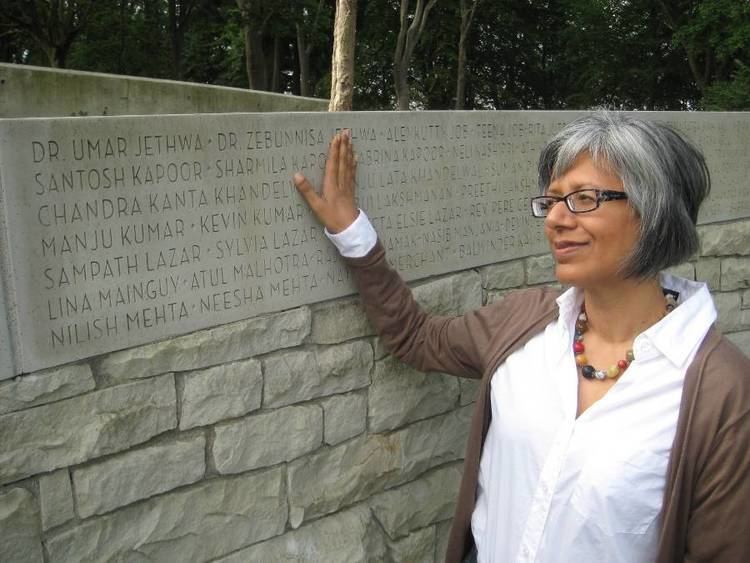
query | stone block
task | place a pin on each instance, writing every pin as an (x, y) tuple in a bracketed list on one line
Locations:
[(540, 269), (225, 343), (469, 390), (685, 270), (400, 394), (85, 427), (746, 299), (295, 376), (741, 340), (434, 441), (138, 474), (731, 316), (725, 239), (46, 386), (344, 416), (20, 536), (351, 535), (417, 547), (503, 276), (56, 499), (226, 391), (206, 521), (339, 321), (709, 270), (417, 504), (379, 351), (267, 439), (735, 273), (442, 534), (451, 295), (330, 479)]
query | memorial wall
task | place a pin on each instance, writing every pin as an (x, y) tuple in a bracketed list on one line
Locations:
[(125, 230), (214, 395)]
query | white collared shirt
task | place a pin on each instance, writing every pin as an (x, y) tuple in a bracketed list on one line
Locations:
[(555, 488)]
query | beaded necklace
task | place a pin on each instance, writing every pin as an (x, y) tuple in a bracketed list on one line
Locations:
[(615, 370)]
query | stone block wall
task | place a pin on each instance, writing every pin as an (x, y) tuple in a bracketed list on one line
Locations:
[(292, 437)]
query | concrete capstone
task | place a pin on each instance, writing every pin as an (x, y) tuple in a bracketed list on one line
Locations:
[(46, 386), (206, 521), (266, 439), (81, 428), (218, 393), (139, 474)]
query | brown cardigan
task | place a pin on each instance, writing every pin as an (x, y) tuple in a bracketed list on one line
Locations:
[(706, 509)]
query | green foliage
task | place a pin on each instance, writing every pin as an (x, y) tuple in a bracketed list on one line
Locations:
[(540, 54)]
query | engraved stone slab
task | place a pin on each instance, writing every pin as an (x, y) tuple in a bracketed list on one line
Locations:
[(125, 230)]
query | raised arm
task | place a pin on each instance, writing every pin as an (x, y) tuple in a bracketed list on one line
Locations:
[(428, 342)]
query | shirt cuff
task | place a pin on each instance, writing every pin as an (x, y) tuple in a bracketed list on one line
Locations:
[(357, 239)]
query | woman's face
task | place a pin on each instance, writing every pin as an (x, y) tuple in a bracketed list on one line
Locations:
[(590, 248)]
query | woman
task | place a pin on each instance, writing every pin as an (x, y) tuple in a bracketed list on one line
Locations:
[(612, 419)]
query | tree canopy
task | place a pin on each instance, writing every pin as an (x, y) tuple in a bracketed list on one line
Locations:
[(490, 54)]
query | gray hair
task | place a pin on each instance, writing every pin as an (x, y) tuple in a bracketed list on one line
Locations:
[(664, 175)]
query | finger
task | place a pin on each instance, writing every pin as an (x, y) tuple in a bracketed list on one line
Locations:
[(331, 173), (345, 149), (307, 191)]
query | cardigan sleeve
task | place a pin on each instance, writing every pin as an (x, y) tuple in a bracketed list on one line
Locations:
[(461, 345), (718, 527), (719, 524)]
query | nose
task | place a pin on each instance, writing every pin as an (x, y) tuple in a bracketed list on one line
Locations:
[(560, 217)]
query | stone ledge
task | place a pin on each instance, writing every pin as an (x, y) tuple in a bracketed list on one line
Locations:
[(339, 321), (85, 427)]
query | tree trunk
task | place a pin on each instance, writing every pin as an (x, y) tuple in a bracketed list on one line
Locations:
[(408, 37), (276, 66), (342, 64), (303, 54), (467, 15)]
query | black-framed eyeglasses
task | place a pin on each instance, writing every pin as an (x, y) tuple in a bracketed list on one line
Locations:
[(579, 201)]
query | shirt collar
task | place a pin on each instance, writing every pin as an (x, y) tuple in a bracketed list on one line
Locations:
[(680, 332), (676, 336)]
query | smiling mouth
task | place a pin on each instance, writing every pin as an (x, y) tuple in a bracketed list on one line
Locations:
[(565, 248)]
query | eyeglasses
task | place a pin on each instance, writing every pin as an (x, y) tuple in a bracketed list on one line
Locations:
[(580, 201)]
